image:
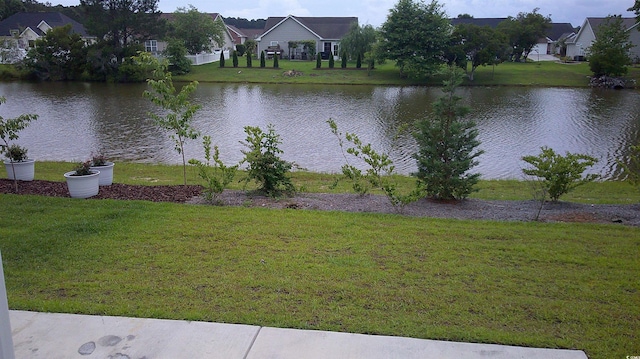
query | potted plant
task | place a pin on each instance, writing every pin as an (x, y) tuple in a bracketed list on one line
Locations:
[(19, 166), (17, 155), (100, 163), (83, 182)]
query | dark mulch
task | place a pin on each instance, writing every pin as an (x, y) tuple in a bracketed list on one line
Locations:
[(179, 194)]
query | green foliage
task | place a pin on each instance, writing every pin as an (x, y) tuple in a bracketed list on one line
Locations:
[(559, 174), (176, 53), (235, 59), (332, 63), (249, 59), (481, 45), (343, 63), (523, 32), (276, 65), (359, 40), (359, 62), (379, 173), (632, 170), (121, 24), (178, 110), (263, 59), (609, 53), (447, 145), (83, 169), (264, 163), (415, 35), (16, 153), (242, 49), (197, 30), (318, 60), (221, 59), (58, 56), (217, 176), (251, 45)]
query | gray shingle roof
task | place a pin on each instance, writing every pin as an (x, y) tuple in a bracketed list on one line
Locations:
[(22, 20), (325, 27)]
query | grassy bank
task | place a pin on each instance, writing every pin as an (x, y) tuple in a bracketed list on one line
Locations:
[(613, 192), (531, 284), (542, 73)]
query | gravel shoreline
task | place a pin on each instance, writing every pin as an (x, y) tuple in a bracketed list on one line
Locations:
[(349, 202)]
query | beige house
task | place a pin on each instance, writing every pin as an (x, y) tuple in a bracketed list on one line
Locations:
[(19, 32), (578, 46)]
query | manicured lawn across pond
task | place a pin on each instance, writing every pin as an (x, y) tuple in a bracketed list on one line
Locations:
[(555, 285)]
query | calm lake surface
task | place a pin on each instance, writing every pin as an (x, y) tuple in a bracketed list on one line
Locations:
[(77, 119)]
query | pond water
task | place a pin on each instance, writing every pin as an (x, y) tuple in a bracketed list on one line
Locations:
[(77, 119)]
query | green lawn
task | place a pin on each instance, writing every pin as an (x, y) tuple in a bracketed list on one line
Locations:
[(542, 73), (553, 285), (534, 284)]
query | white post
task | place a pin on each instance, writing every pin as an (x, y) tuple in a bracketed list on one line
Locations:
[(6, 342)]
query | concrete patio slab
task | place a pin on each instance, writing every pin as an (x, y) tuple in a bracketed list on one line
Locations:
[(67, 336), (290, 344)]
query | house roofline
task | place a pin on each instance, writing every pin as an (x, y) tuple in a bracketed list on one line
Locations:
[(259, 38)]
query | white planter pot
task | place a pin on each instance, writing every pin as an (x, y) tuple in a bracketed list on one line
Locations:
[(106, 173), (22, 171), (83, 186)]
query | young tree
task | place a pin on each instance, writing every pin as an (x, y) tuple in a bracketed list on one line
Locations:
[(447, 145), (235, 59), (318, 60), (332, 62), (9, 129), (263, 59), (176, 53), (636, 9), (343, 60), (609, 53), (178, 111), (524, 31), (415, 35), (198, 30), (221, 58), (359, 40), (249, 59), (275, 61), (120, 22), (58, 56), (482, 45), (264, 163)]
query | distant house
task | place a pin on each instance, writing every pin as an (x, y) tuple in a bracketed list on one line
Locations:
[(325, 32), (549, 44), (240, 36), (158, 46), (546, 45), (19, 32), (578, 46)]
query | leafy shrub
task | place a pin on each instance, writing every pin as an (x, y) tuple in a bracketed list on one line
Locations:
[(378, 175), (264, 164), (359, 61), (249, 59), (318, 61), (559, 174), (16, 153), (221, 58), (217, 176), (332, 63), (632, 170), (343, 64), (263, 60), (275, 61), (241, 48), (176, 53)]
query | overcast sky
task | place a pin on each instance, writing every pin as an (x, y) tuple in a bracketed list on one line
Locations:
[(374, 12)]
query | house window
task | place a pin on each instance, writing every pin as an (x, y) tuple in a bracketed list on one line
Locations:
[(336, 50), (32, 43), (151, 46), (274, 43)]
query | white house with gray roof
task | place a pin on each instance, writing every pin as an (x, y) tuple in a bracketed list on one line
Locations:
[(326, 32), (578, 47)]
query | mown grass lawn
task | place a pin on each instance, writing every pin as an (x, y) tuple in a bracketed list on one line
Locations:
[(543, 73), (554, 285)]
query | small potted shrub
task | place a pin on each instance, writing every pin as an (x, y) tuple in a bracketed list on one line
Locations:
[(100, 163), (19, 166), (83, 182)]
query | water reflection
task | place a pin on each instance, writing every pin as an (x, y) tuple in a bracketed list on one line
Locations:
[(77, 119)]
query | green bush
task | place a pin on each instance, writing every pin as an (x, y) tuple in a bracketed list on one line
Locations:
[(241, 48), (343, 64), (264, 163), (217, 176), (263, 60), (632, 170), (559, 174), (332, 63), (318, 61), (221, 58), (249, 59), (235, 59), (275, 61), (176, 53), (359, 62)]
